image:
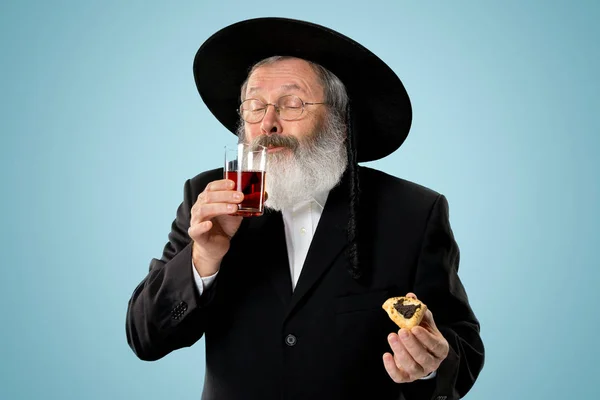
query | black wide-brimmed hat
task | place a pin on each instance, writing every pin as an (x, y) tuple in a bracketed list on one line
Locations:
[(381, 109)]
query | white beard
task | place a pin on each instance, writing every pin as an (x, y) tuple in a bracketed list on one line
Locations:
[(316, 166), (289, 182)]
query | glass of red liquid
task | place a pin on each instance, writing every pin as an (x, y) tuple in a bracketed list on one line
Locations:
[(246, 166)]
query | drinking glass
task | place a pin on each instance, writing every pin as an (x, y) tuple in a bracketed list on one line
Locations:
[(246, 166)]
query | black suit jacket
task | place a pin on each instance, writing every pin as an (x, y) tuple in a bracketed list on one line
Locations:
[(327, 338)]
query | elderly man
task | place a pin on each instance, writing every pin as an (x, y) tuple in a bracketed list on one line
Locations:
[(290, 303)]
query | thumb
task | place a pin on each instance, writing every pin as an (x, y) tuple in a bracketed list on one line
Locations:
[(428, 321)]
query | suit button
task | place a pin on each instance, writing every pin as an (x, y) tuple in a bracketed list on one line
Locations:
[(179, 310), (290, 340)]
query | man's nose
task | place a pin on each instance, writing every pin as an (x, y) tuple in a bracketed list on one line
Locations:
[(271, 123)]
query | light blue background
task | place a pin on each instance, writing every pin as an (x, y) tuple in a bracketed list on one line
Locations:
[(101, 124)]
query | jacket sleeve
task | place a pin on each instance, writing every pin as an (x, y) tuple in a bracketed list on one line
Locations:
[(437, 284), (165, 311)]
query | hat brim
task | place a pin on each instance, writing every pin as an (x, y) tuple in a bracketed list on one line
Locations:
[(381, 109)]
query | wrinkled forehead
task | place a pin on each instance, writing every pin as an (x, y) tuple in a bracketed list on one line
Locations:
[(288, 75)]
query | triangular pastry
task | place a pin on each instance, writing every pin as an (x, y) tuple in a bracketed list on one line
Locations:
[(406, 312)]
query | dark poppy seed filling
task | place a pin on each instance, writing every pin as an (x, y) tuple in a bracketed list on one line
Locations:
[(406, 310)]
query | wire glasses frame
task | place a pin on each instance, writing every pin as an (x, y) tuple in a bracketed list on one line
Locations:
[(289, 108)]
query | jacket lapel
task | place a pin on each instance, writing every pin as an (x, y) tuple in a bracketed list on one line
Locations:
[(329, 241), (273, 249)]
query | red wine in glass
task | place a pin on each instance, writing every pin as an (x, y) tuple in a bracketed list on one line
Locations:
[(252, 184)]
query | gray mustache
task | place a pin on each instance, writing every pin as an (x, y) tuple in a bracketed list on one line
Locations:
[(276, 141)]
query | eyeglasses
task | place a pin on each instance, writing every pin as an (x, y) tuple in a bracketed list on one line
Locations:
[(289, 108)]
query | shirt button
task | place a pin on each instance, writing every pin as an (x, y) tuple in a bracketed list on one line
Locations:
[(290, 340), (302, 231)]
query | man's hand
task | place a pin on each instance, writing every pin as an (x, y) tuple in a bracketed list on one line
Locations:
[(211, 226), (417, 352)]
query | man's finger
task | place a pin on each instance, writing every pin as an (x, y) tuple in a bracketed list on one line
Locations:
[(434, 343), (221, 184), (223, 196), (397, 375), (412, 295), (209, 211), (196, 230), (423, 358), (402, 357), (428, 321)]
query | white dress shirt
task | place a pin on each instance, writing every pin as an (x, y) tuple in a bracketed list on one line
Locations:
[(300, 223)]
